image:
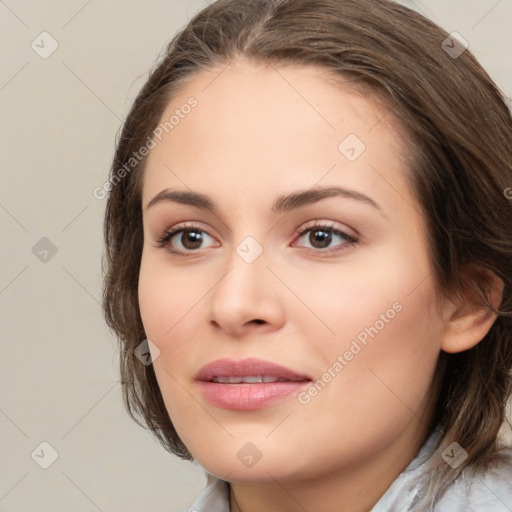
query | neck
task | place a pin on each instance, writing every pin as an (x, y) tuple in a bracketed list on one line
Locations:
[(344, 489)]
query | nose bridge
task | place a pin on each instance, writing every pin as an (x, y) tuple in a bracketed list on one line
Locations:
[(245, 292), (244, 276)]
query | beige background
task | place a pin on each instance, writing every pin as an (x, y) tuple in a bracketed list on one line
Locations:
[(58, 367)]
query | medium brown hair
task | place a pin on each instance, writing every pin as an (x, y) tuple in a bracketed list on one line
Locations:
[(461, 129)]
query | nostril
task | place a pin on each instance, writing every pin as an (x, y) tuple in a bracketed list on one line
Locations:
[(258, 321)]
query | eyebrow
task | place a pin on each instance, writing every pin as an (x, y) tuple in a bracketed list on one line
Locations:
[(282, 204)]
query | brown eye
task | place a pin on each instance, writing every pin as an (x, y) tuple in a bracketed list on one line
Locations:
[(320, 239), (185, 240), (323, 238), (191, 239)]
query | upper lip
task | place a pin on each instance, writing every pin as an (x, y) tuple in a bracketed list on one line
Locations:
[(249, 367)]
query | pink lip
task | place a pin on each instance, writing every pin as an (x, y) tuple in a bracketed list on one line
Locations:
[(248, 396)]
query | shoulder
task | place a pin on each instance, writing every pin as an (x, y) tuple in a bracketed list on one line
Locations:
[(485, 491), (473, 491), (214, 498)]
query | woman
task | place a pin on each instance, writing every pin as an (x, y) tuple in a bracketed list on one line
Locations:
[(309, 264)]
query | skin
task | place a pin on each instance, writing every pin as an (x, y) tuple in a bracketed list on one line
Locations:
[(251, 138)]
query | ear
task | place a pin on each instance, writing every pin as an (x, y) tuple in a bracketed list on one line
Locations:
[(468, 318)]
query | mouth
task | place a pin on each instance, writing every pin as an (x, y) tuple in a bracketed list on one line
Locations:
[(250, 371), (248, 384)]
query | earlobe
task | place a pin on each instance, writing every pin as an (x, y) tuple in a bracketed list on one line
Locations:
[(470, 318)]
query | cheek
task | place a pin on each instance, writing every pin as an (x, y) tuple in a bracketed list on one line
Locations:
[(166, 303), (386, 347), (167, 298), (364, 299), (385, 335), (172, 305)]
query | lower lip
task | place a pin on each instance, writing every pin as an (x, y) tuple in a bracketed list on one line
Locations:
[(247, 397)]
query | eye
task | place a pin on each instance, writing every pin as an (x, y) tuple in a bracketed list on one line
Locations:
[(187, 239), (184, 239), (320, 238)]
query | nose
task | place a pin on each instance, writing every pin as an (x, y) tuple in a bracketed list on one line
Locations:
[(246, 299)]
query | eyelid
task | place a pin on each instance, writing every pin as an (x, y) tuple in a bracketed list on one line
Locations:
[(318, 223)]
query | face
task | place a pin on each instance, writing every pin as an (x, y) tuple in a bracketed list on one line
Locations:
[(284, 245)]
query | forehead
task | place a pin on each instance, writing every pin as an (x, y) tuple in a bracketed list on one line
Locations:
[(268, 126)]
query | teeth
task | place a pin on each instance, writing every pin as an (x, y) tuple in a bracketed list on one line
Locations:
[(247, 380), (227, 380), (252, 380)]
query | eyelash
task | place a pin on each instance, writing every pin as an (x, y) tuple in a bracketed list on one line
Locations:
[(164, 240)]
